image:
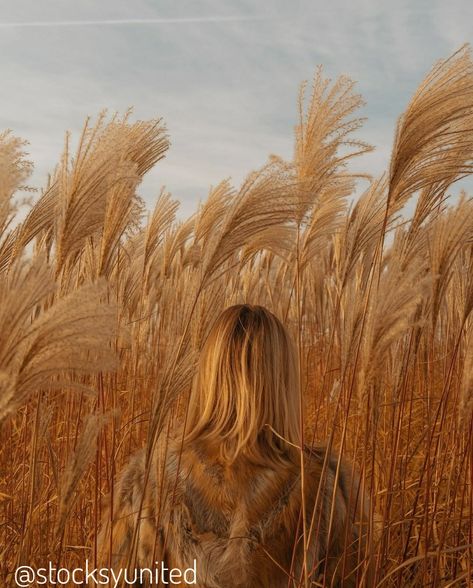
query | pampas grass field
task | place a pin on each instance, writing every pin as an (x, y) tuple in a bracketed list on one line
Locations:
[(104, 306)]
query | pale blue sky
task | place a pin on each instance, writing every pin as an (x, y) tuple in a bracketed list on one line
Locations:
[(224, 75)]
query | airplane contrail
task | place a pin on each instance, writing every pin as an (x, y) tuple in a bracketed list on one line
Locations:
[(131, 21)]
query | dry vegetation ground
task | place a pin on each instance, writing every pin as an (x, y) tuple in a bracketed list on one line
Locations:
[(103, 309)]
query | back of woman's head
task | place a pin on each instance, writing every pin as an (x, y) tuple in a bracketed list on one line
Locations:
[(245, 396)]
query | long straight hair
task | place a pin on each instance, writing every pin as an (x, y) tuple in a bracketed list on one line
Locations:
[(245, 396)]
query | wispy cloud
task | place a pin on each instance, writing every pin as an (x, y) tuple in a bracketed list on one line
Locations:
[(224, 74), (130, 21)]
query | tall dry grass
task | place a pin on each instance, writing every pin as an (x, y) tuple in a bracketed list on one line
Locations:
[(104, 306)]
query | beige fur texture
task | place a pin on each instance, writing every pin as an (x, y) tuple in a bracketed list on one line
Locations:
[(242, 523)]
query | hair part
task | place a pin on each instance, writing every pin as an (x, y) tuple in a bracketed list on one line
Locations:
[(245, 397)]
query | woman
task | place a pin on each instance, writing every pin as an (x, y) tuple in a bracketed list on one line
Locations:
[(229, 494)]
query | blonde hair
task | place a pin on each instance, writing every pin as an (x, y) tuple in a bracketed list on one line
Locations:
[(245, 397)]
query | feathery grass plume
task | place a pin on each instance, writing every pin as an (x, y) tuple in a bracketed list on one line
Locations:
[(389, 315), (110, 160), (210, 303), (212, 211), (326, 220), (265, 204), (70, 336), (147, 146), (446, 237), (14, 170), (433, 146), (356, 243), (8, 248), (39, 222), (136, 271), (146, 266), (22, 291), (173, 253), (323, 144), (323, 149), (128, 273), (160, 223), (118, 217), (254, 283), (147, 141)]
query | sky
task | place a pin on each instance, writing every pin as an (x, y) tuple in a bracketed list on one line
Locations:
[(223, 75)]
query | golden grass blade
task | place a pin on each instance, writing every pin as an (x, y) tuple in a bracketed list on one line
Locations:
[(433, 146)]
